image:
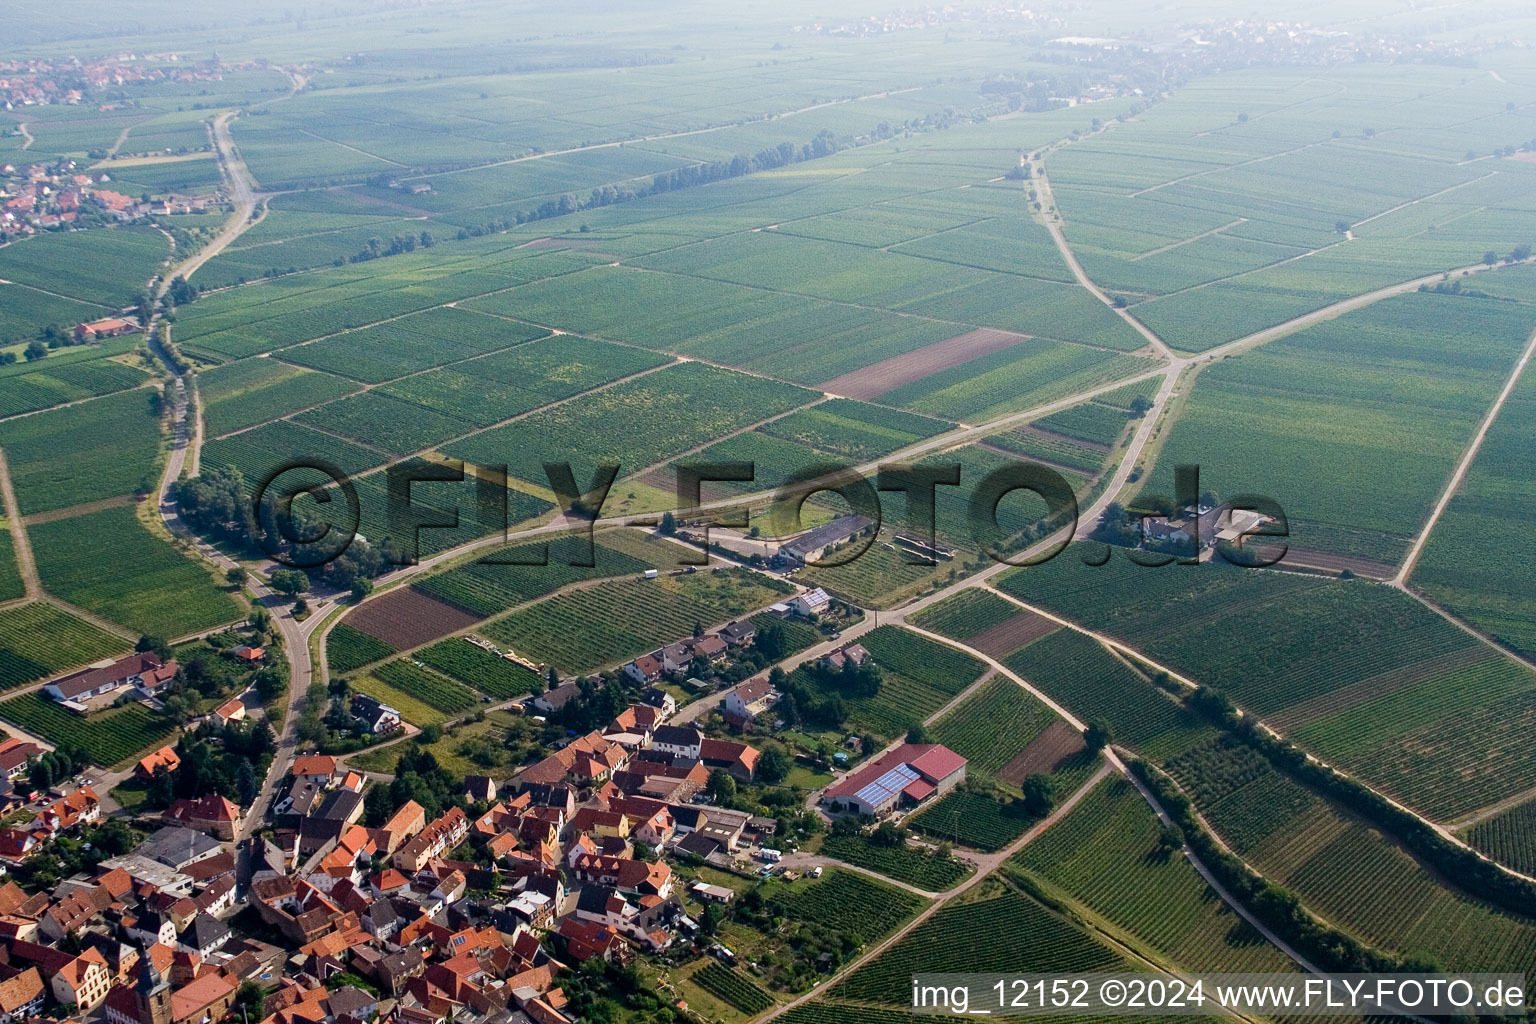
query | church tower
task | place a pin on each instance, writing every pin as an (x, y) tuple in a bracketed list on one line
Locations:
[(152, 995)]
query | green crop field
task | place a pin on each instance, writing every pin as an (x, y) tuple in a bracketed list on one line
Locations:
[(57, 381), (103, 267), (243, 394), (989, 935), (719, 980), (975, 820), (927, 871), (1390, 689), (111, 736), (992, 725), (108, 563), (1105, 856), (11, 585), (493, 676), (1291, 413), (855, 904), (101, 449), (966, 614), (1323, 854), (490, 585), (1085, 678), (1509, 838), (348, 649), (919, 677), (664, 413), (587, 629), (37, 640), (1479, 560), (428, 687)]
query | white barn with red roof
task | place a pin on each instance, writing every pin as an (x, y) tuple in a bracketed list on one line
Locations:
[(899, 779)]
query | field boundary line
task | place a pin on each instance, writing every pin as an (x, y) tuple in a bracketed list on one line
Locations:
[(1057, 813), (26, 567), (1050, 215), (640, 140), (1468, 457), (1420, 199), (1186, 241), (1442, 830)]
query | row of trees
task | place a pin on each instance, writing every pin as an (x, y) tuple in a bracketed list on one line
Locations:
[(217, 504)]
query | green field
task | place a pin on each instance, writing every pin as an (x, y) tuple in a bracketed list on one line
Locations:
[(1289, 414), (102, 449), (1509, 838), (37, 640), (1479, 561), (594, 627), (995, 934), (1085, 678), (927, 871), (1326, 856), (992, 725), (1388, 689), (108, 563), (111, 736), (1105, 856), (348, 649)]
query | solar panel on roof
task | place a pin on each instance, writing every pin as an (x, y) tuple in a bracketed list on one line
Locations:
[(887, 785)]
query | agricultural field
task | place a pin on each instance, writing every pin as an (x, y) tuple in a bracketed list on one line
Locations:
[(855, 904), (1084, 677), (251, 391), (426, 686), (664, 414), (1479, 561), (106, 268), (1389, 690), (1282, 419), (966, 614), (991, 727), (909, 864), (974, 820), (38, 640), (111, 737), (1509, 838), (56, 381), (348, 649), (996, 933), (496, 677), (485, 390), (407, 618), (107, 562), (732, 986), (920, 677), (495, 582), (1297, 839), (410, 344), (1105, 856), (591, 628), (11, 584), (104, 448)]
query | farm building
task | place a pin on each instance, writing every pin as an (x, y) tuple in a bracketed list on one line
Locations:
[(901, 779), (813, 544), (143, 670), (111, 327)]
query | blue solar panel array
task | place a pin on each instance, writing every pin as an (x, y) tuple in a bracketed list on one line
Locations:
[(887, 785)]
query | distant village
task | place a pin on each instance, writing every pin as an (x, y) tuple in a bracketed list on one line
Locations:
[(71, 81)]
